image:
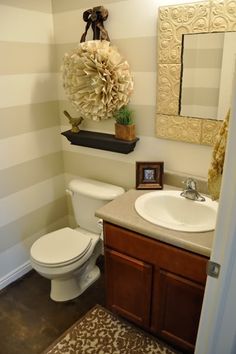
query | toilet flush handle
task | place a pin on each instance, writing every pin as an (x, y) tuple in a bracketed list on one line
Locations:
[(69, 192)]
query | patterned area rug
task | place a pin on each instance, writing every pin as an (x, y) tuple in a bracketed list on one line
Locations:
[(100, 332)]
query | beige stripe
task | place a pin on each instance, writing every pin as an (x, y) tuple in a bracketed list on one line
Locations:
[(201, 77), (144, 118), (61, 49), (23, 58), (35, 5), (22, 176), (120, 173), (139, 52), (29, 224), (202, 58), (71, 215), (200, 96), (27, 118), (69, 5)]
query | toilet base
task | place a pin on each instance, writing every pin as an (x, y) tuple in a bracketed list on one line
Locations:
[(70, 288)]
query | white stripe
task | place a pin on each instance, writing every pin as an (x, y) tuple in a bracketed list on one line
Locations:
[(30, 199), (27, 89), (208, 112), (130, 19), (153, 149), (127, 19), (20, 148), (20, 25), (144, 89), (204, 41)]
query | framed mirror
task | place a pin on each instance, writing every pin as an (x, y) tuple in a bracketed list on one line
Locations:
[(208, 62), (175, 23)]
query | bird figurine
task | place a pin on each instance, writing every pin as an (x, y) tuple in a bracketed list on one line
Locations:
[(75, 122)]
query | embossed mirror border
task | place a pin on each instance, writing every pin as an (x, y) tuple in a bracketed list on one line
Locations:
[(173, 22)]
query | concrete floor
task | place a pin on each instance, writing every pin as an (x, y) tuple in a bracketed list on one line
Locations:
[(30, 321)]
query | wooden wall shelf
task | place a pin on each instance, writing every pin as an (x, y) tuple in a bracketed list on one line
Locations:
[(102, 141)]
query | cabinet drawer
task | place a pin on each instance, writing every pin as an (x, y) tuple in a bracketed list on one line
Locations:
[(161, 255)]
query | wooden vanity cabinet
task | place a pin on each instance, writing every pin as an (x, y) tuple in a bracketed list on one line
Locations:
[(155, 285)]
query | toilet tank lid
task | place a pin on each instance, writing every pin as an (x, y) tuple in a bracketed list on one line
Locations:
[(95, 189)]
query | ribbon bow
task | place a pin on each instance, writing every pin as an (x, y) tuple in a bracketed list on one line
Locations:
[(95, 18)]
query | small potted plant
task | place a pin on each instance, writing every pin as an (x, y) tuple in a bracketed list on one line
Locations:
[(124, 126)]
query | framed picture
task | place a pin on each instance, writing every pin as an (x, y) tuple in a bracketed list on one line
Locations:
[(149, 175)]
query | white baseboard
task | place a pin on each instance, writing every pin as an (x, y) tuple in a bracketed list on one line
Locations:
[(15, 274), (15, 262)]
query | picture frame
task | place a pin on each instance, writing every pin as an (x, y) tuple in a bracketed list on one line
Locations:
[(149, 175)]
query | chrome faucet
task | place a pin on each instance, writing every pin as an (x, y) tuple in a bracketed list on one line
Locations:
[(190, 190)]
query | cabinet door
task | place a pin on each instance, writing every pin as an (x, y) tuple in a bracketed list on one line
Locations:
[(179, 308), (128, 287)]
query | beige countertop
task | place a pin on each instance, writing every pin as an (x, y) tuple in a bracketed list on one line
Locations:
[(121, 212)]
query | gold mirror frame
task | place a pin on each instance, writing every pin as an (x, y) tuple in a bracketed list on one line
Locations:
[(174, 21)]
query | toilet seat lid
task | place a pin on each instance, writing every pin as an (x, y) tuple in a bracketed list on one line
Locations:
[(60, 247)]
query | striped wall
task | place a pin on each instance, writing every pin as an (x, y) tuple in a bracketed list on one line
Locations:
[(32, 199), (35, 161), (132, 26)]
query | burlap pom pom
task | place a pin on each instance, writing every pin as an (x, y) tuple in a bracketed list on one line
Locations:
[(96, 79)]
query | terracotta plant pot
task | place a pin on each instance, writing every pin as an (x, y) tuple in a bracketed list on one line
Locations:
[(125, 132)]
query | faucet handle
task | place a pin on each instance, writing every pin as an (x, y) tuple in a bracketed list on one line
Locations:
[(190, 191), (190, 183)]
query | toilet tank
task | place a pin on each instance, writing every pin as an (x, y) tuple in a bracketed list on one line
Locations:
[(87, 196)]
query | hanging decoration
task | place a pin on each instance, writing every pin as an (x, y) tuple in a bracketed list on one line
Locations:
[(96, 78)]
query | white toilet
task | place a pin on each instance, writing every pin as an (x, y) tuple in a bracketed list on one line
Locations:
[(68, 257)]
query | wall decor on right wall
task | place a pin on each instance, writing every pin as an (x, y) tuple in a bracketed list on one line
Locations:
[(174, 22)]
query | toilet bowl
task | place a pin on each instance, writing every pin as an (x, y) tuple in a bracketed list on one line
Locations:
[(68, 256)]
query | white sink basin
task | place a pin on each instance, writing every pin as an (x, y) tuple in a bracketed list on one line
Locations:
[(170, 210)]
